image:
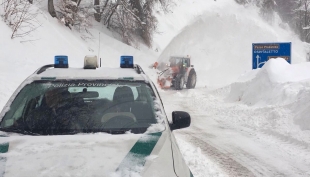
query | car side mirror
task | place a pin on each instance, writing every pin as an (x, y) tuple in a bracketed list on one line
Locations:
[(192, 65), (180, 119)]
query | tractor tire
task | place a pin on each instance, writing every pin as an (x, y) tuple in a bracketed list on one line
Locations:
[(179, 83), (191, 81)]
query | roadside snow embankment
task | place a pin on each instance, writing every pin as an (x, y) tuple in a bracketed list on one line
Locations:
[(276, 84)]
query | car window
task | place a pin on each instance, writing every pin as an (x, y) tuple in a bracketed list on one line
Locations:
[(80, 106)]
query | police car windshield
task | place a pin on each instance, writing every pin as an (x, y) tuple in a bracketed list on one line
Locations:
[(81, 106)]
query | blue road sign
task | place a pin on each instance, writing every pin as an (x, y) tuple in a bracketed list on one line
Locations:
[(262, 52)]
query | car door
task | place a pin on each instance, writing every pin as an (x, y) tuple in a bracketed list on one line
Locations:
[(181, 168)]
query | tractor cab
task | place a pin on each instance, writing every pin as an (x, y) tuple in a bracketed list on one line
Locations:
[(179, 61), (179, 65)]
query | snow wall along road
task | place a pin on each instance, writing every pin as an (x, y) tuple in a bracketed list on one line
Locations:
[(220, 42)]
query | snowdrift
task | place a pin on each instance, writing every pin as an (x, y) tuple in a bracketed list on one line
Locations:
[(277, 83)]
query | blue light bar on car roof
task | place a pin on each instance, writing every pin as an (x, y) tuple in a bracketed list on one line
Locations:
[(61, 61), (126, 61)]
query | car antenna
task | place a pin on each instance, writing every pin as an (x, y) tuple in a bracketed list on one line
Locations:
[(99, 50)]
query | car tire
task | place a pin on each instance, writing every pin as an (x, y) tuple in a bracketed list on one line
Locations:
[(191, 81)]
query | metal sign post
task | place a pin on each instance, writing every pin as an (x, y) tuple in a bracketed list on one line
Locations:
[(262, 52)]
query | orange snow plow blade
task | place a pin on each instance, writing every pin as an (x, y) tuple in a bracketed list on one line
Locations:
[(164, 83), (165, 79)]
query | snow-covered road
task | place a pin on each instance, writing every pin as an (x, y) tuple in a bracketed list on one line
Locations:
[(235, 147)]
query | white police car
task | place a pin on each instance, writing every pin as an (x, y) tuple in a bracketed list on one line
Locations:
[(86, 122)]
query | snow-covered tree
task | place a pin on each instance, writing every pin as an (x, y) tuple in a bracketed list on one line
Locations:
[(72, 14), (302, 19), (20, 16), (132, 19)]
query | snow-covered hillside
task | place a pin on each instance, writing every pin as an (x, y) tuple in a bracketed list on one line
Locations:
[(22, 56)]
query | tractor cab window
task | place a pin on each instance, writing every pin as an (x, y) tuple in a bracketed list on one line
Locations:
[(175, 62), (186, 62)]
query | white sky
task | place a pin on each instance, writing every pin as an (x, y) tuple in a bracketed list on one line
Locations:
[(243, 122)]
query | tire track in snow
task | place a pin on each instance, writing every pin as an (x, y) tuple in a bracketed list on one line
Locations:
[(287, 139), (234, 163), (224, 161)]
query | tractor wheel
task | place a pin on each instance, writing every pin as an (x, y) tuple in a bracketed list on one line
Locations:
[(191, 81), (179, 83)]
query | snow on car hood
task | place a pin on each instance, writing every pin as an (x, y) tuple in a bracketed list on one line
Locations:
[(75, 155)]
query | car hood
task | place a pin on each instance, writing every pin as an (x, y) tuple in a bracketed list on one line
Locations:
[(78, 155)]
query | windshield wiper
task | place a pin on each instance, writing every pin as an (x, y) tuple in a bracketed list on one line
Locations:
[(16, 130), (114, 131), (123, 131)]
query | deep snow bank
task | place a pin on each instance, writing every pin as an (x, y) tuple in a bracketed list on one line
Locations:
[(220, 42), (277, 83)]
